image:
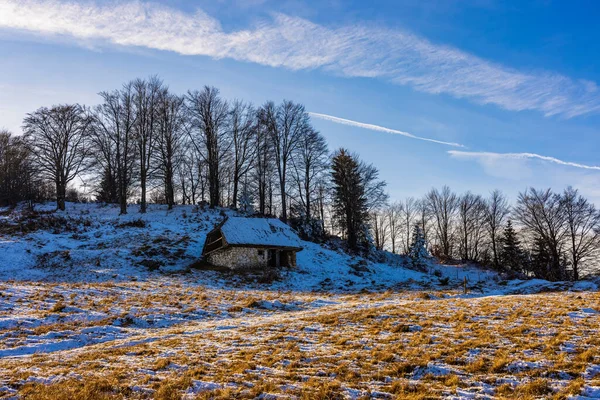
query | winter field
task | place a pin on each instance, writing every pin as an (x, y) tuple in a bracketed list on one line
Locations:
[(93, 305)]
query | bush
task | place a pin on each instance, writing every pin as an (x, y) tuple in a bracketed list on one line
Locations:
[(136, 223)]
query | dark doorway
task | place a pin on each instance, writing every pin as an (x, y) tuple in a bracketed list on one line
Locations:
[(286, 259), (272, 258)]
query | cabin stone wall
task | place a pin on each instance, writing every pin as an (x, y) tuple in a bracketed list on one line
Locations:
[(239, 258)]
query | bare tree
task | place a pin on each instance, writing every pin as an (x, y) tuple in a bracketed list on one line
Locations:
[(373, 186), (114, 141), (16, 172), (263, 161), (285, 130), (423, 217), (496, 211), (243, 125), (208, 113), (170, 140), (393, 214), (470, 215), (542, 214), (410, 209), (381, 228), (583, 228), (443, 206), (145, 100), (323, 199), (59, 139), (310, 163)]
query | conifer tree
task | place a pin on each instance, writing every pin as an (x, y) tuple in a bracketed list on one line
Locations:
[(349, 198), (512, 254), (418, 248)]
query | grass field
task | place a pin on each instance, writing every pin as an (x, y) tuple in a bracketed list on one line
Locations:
[(165, 339)]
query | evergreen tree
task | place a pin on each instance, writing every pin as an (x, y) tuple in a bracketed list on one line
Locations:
[(108, 190), (512, 254), (349, 199), (418, 248)]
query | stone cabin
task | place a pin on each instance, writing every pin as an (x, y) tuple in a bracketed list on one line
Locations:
[(245, 243)]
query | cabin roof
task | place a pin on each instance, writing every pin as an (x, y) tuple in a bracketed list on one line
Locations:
[(262, 232)]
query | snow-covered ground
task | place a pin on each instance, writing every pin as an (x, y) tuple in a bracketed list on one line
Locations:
[(88, 297), (93, 243)]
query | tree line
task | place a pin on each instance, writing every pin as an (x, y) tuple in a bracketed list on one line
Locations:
[(147, 144), (144, 143), (545, 234)]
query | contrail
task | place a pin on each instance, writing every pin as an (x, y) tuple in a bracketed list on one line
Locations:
[(378, 128), (490, 155)]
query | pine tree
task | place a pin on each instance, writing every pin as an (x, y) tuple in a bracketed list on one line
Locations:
[(107, 190), (512, 254), (349, 199), (541, 260), (418, 248)]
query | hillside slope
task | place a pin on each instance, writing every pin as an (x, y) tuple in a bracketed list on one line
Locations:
[(93, 243)]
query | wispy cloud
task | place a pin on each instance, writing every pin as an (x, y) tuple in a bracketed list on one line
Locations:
[(295, 43), (489, 156), (372, 127)]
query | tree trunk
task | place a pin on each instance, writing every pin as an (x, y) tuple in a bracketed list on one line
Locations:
[(307, 193), (123, 203), (61, 192), (143, 187), (235, 191), (283, 199), (495, 251), (169, 188), (262, 195)]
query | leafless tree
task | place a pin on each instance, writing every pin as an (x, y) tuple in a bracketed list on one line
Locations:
[(374, 187), (583, 228), (243, 126), (323, 199), (471, 210), (496, 211), (394, 214), (145, 100), (381, 228), (423, 218), (192, 172), (410, 211), (113, 139), (172, 127), (263, 161), (285, 128), (541, 212), (59, 140), (16, 170), (443, 206), (209, 113), (310, 163)]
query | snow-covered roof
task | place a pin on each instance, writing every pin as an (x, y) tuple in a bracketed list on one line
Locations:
[(259, 232)]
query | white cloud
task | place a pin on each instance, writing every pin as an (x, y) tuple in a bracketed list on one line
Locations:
[(296, 43), (378, 128), (490, 157)]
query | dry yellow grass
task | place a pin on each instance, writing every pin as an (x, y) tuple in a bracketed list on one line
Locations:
[(227, 345)]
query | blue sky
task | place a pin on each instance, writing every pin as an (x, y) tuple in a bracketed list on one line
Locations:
[(515, 84)]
